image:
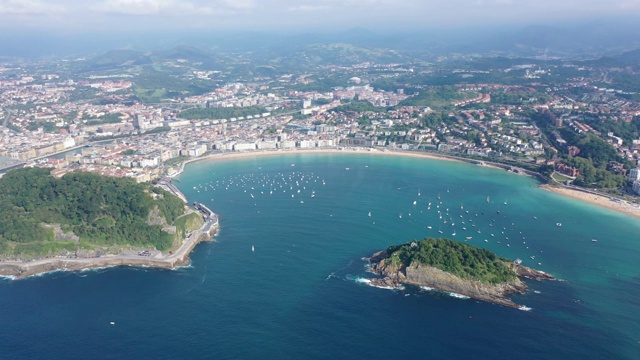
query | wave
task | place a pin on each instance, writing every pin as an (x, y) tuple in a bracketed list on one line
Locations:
[(426, 288), (366, 281), (7, 277), (95, 269), (458, 296)]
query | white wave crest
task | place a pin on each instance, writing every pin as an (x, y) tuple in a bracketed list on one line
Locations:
[(458, 296)]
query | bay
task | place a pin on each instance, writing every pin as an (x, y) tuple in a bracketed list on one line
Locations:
[(301, 292)]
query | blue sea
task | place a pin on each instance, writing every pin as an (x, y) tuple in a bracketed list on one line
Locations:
[(285, 277)]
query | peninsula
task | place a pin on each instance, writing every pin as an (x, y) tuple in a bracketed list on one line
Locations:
[(455, 267), (85, 220)]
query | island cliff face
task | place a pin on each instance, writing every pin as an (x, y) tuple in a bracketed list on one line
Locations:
[(421, 274)]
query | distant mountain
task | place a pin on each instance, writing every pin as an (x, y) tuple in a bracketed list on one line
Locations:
[(184, 52), (630, 57), (584, 40), (114, 59)]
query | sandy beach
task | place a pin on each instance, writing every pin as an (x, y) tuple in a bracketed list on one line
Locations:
[(17, 269), (594, 199), (248, 154)]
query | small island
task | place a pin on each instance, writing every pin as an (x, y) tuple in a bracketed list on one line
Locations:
[(86, 220), (455, 267)]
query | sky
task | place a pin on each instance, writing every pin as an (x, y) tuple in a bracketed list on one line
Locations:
[(137, 15)]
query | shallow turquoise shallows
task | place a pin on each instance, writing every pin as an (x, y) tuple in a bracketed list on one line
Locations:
[(285, 278)]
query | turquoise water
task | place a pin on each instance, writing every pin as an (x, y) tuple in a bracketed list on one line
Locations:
[(302, 294)]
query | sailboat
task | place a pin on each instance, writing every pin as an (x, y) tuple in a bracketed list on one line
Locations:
[(369, 213), (252, 248), (488, 199)]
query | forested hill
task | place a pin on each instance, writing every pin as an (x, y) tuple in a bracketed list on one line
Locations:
[(460, 259), (89, 209)]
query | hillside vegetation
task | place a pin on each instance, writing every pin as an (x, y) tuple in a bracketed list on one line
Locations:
[(460, 259), (88, 209)]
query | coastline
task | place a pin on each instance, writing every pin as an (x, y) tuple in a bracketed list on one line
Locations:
[(423, 275), (20, 269), (259, 153), (617, 205), (23, 269), (591, 198)]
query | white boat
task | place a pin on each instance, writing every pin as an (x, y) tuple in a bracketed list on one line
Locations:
[(558, 224), (369, 214), (594, 240), (252, 248), (488, 199), (415, 202)]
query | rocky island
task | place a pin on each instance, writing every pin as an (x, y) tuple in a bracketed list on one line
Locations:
[(85, 220), (455, 267)]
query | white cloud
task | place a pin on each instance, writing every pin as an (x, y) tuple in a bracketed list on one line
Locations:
[(264, 14), (308, 8), (28, 7), (239, 4), (172, 7), (151, 7)]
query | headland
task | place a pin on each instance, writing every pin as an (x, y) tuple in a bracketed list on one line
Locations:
[(95, 221), (171, 260)]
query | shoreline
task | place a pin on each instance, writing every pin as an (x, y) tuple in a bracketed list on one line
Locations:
[(620, 206), (603, 201), (342, 150), (424, 275), (22, 269)]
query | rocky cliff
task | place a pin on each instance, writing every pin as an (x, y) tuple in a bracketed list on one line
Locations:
[(429, 276)]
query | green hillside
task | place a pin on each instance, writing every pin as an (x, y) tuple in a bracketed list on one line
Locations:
[(460, 259), (40, 214)]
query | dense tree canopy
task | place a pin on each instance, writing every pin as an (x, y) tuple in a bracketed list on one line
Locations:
[(100, 210), (460, 259)]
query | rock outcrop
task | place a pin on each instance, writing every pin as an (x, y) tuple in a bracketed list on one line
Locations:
[(429, 276)]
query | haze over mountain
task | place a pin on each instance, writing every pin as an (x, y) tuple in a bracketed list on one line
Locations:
[(40, 28)]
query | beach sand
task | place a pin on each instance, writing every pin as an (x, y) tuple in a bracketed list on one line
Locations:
[(180, 257), (236, 155), (599, 200)]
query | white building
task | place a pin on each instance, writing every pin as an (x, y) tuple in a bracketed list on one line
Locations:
[(306, 144), (287, 144), (266, 145), (244, 146), (634, 174), (636, 187), (325, 143)]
